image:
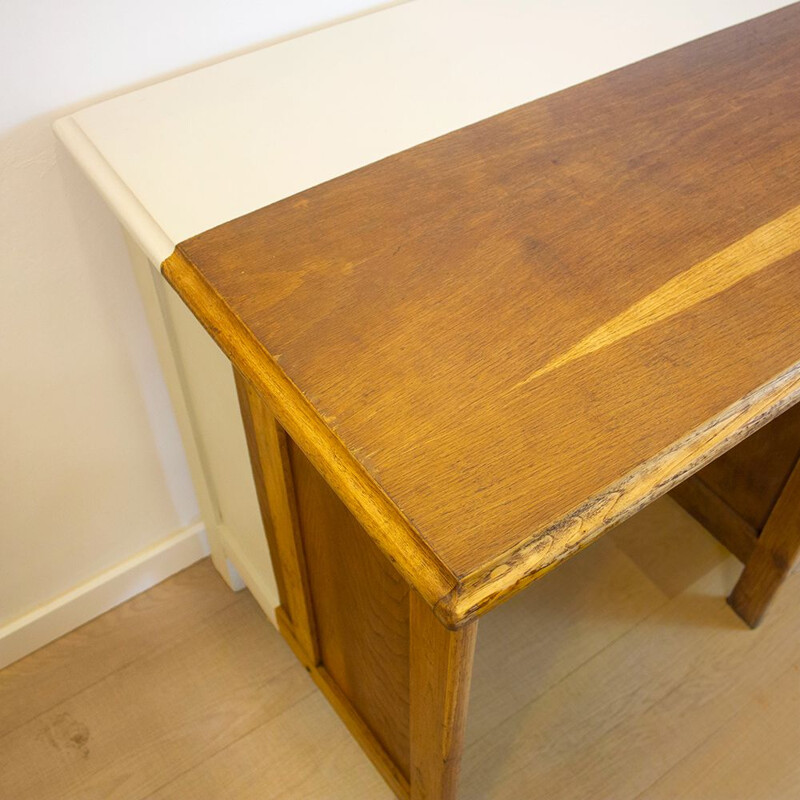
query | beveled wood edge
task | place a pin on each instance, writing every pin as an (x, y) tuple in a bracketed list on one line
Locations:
[(458, 599), (359, 729), (483, 589), (384, 522)]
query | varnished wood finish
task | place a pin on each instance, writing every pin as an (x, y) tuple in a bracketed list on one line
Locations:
[(273, 476), (384, 522), (499, 343), (362, 733), (361, 608), (344, 609), (775, 553), (395, 675), (441, 670)]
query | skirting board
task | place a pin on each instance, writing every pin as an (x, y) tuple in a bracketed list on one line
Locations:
[(68, 611)]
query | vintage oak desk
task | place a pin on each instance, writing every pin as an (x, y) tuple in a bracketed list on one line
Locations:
[(465, 359)]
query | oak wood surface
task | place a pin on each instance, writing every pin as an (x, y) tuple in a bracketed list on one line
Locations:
[(441, 671), (272, 473), (345, 609), (499, 343), (361, 607), (775, 553)]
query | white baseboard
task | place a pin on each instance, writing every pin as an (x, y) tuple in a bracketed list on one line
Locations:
[(68, 611)]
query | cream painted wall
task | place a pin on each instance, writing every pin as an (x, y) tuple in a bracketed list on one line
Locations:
[(92, 470)]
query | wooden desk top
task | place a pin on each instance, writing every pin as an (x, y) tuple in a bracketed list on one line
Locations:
[(409, 375), (499, 343)]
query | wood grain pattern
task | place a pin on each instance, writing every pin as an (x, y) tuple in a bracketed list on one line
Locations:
[(757, 250), (441, 670), (345, 609), (512, 571), (393, 317), (750, 477), (361, 609), (382, 519), (272, 473), (776, 552)]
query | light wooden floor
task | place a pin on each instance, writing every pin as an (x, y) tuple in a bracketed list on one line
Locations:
[(622, 675)]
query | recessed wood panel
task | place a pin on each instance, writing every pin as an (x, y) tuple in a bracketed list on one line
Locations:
[(750, 477), (361, 607)]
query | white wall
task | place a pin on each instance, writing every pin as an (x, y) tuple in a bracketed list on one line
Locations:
[(92, 471)]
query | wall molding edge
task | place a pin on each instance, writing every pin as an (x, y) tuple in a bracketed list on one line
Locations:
[(90, 599)]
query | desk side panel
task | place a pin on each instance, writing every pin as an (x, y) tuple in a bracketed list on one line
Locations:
[(361, 608)]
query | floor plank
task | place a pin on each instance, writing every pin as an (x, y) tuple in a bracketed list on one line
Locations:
[(306, 752), (549, 630), (141, 626), (668, 546), (636, 708), (622, 675), (752, 757), (137, 729)]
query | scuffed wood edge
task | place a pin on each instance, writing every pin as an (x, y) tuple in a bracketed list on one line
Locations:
[(380, 517), (492, 584)]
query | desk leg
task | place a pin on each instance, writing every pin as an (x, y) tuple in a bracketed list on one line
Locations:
[(775, 552), (395, 675), (441, 667)]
